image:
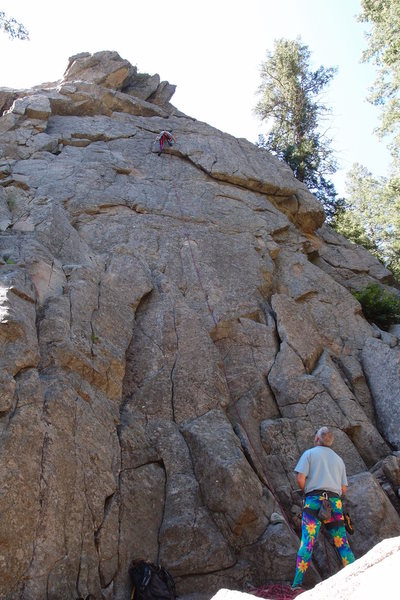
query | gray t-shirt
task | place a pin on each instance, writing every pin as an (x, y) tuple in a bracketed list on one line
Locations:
[(323, 468)]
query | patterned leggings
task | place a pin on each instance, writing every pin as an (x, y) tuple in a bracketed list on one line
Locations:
[(310, 527)]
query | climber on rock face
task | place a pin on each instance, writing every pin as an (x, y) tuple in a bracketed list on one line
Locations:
[(321, 474), (165, 136)]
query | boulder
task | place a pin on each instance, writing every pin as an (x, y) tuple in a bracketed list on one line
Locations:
[(378, 357), (223, 473), (107, 69), (373, 515), (350, 265), (297, 329)]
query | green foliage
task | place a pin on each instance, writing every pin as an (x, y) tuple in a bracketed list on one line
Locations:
[(347, 223), (383, 17), (8, 260), (378, 305), (290, 104), (371, 215), (140, 77), (14, 29)]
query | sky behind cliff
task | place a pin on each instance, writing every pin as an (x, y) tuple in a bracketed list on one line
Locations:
[(212, 51)]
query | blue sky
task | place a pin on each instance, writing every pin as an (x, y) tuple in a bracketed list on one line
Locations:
[(212, 51)]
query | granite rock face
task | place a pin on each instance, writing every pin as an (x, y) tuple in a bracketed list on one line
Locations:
[(174, 328), (380, 358)]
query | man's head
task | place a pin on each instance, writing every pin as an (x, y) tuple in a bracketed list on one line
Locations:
[(323, 437)]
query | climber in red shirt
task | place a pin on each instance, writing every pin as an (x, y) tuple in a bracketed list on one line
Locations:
[(165, 136)]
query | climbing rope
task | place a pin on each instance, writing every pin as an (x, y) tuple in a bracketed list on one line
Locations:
[(275, 591), (215, 321)]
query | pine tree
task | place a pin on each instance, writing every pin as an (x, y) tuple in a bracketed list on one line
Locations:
[(14, 29), (383, 50), (371, 215), (290, 103)]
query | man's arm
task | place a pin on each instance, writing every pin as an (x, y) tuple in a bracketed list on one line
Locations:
[(344, 480), (301, 480)]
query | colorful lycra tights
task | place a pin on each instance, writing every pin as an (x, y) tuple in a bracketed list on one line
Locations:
[(310, 527)]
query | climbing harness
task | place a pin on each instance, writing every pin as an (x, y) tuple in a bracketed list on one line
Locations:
[(324, 514)]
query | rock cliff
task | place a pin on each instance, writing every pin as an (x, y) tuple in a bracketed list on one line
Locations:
[(174, 328)]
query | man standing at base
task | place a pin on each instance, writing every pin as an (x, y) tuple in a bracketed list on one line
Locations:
[(321, 474)]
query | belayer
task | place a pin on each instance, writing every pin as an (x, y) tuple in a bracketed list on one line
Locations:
[(321, 474), (165, 136)]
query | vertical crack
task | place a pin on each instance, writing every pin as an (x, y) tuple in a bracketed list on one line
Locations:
[(78, 575), (51, 273), (172, 376), (83, 512), (161, 463), (107, 507), (93, 337), (42, 486), (125, 399)]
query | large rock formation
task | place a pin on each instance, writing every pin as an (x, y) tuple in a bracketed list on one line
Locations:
[(173, 331)]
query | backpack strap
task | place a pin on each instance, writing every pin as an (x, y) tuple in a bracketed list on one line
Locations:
[(168, 580), (140, 573)]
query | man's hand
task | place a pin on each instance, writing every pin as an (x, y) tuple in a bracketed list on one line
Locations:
[(301, 480), (344, 489)]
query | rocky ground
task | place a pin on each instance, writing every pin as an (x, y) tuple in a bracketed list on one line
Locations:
[(375, 575), (173, 329)]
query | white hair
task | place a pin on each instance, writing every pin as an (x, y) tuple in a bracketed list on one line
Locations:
[(325, 436)]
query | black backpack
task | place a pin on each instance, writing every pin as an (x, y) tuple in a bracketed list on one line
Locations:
[(151, 582)]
